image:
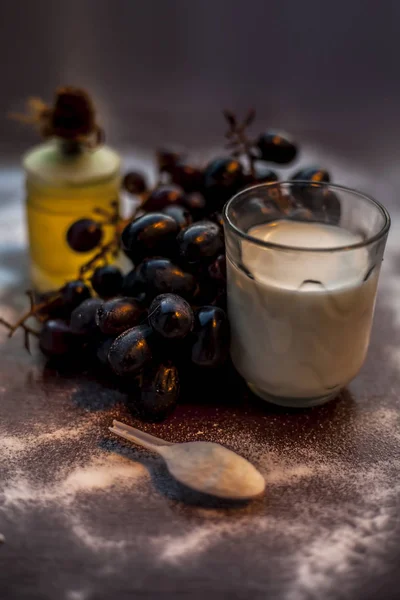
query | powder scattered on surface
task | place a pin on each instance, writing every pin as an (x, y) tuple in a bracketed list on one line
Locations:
[(76, 595), (336, 554), (328, 511), (175, 549), (101, 473), (12, 445)]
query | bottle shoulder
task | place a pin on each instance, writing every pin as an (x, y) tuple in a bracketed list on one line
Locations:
[(48, 164)]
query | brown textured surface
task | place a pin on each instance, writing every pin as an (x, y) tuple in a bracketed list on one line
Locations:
[(326, 528)]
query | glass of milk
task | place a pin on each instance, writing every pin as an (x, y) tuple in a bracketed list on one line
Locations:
[(303, 264)]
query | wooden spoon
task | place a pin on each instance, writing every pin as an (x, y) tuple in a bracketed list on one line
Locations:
[(203, 466)]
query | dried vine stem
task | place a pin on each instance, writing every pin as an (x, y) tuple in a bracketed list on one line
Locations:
[(111, 247), (33, 311), (27, 332), (239, 143)]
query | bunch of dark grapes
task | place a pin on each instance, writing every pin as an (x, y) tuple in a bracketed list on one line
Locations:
[(164, 316), (165, 321)]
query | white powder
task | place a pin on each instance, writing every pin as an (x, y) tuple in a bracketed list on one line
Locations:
[(175, 549), (13, 446), (338, 552), (101, 471), (334, 513), (282, 474), (76, 595), (101, 474), (91, 540)]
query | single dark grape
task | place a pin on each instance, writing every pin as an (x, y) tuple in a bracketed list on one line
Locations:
[(134, 183), (211, 346), (217, 269), (117, 315), (150, 235), (163, 196), (201, 241), (306, 179), (83, 317), (311, 193), (131, 350), (181, 215), (56, 338), (84, 235), (196, 204), (189, 178), (167, 159), (161, 276), (273, 147), (311, 174), (171, 316), (224, 172), (74, 293), (223, 177), (107, 281), (159, 392)]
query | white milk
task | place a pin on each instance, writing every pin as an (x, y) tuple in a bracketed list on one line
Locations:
[(293, 338)]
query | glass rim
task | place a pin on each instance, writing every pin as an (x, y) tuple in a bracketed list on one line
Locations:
[(341, 188)]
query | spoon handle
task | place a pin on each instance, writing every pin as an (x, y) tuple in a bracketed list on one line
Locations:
[(138, 437)]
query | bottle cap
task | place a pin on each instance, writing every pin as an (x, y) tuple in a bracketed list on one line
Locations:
[(50, 165)]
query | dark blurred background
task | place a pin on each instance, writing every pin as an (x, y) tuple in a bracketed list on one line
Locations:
[(161, 70)]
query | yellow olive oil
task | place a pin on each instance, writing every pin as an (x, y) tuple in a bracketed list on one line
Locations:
[(62, 188)]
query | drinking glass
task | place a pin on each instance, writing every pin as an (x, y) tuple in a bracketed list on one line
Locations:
[(301, 307)]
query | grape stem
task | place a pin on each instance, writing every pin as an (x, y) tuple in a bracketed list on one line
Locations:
[(34, 309), (27, 332), (111, 218), (239, 143), (110, 248)]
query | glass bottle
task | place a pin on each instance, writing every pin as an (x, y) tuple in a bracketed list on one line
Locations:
[(66, 182)]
